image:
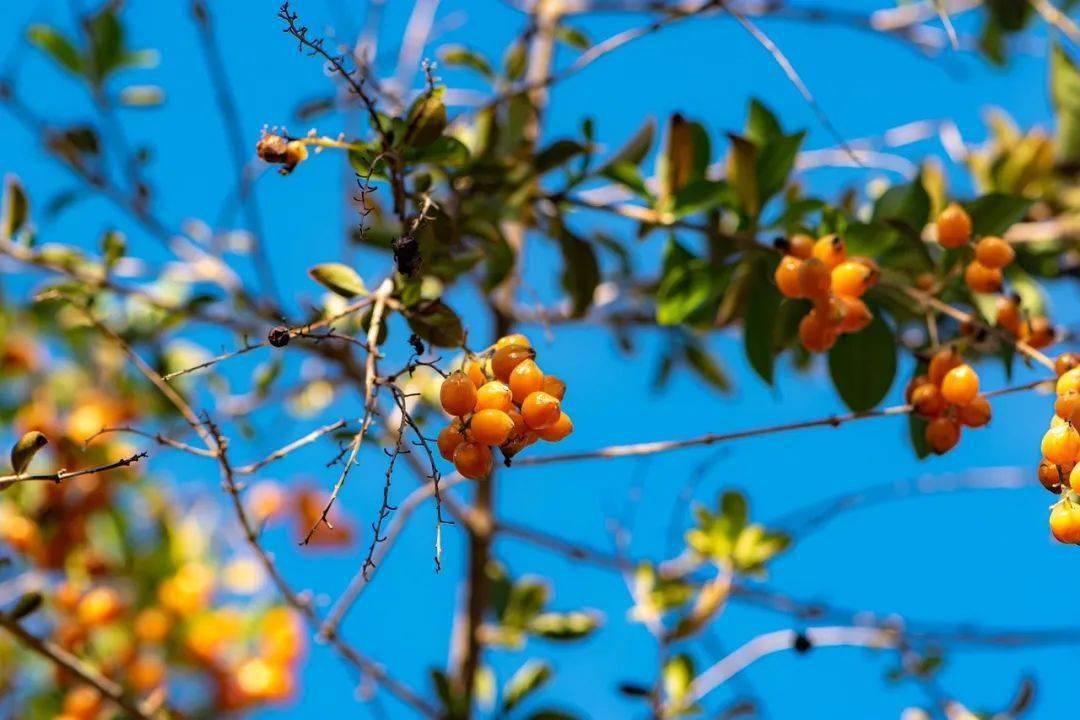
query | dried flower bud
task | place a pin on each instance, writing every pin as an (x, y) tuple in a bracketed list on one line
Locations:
[(287, 153), (279, 336), (407, 255)]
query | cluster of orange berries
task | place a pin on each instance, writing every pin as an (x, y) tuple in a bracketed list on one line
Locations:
[(1060, 466), (985, 274), (820, 271), (503, 400), (948, 397)]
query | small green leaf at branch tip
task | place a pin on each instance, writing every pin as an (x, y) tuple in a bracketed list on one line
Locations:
[(25, 450), (339, 278), (56, 45), (530, 677), (15, 208)]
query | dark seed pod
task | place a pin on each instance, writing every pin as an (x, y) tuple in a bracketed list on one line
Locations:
[(417, 344), (802, 644), (407, 255), (279, 336)]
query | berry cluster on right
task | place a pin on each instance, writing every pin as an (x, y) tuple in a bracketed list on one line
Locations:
[(984, 273), (948, 397), (1059, 471), (820, 271), (500, 398)]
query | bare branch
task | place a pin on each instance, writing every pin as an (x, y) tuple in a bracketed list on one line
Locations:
[(7, 481)]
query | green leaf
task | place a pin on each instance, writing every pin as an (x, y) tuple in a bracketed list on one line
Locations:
[(446, 151), (685, 291), (15, 209), (142, 96), (628, 175), (106, 37), (581, 272), (678, 674), (637, 147), (684, 157), (759, 327), (863, 365), (435, 322), (742, 173), (563, 626), (775, 161), (699, 196), (527, 598), (529, 678), (908, 204), (552, 715), (706, 367), (556, 154), (461, 56), (573, 37), (755, 546), (1065, 97), (762, 127), (57, 46), (113, 247), (338, 278), (25, 449), (425, 120), (917, 434), (996, 212)]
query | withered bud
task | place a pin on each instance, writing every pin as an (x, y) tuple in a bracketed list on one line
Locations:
[(407, 255), (279, 151), (279, 336)]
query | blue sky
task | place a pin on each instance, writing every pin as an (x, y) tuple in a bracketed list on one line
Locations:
[(975, 557)]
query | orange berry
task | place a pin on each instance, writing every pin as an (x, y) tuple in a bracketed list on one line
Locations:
[(99, 606), (509, 357), (494, 395), (916, 382), (800, 245), (975, 414), (960, 385), (474, 369), (982, 279), (942, 434), (526, 378), (473, 460), (1051, 477), (927, 400), (82, 701), (1067, 407), (993, 252), (559, 430), (449, 438), (830, 250), (554, 386), (941, 363), (851, 279), (1065, 522), (854, 314), (540, 410), (787, 276), (1038, 332), (152, 625), (1066, 362), (816, 333), (146, 672), (953, 226), (491, 427), (458, 394), (814, 279), (1061, 445), (520, 428), (514, 339), (1008, 314), (1069, 382)]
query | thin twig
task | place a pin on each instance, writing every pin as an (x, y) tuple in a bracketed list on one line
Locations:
[(651, 448), (286, 449), (370, 387), (81, 669), (7, 481)]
